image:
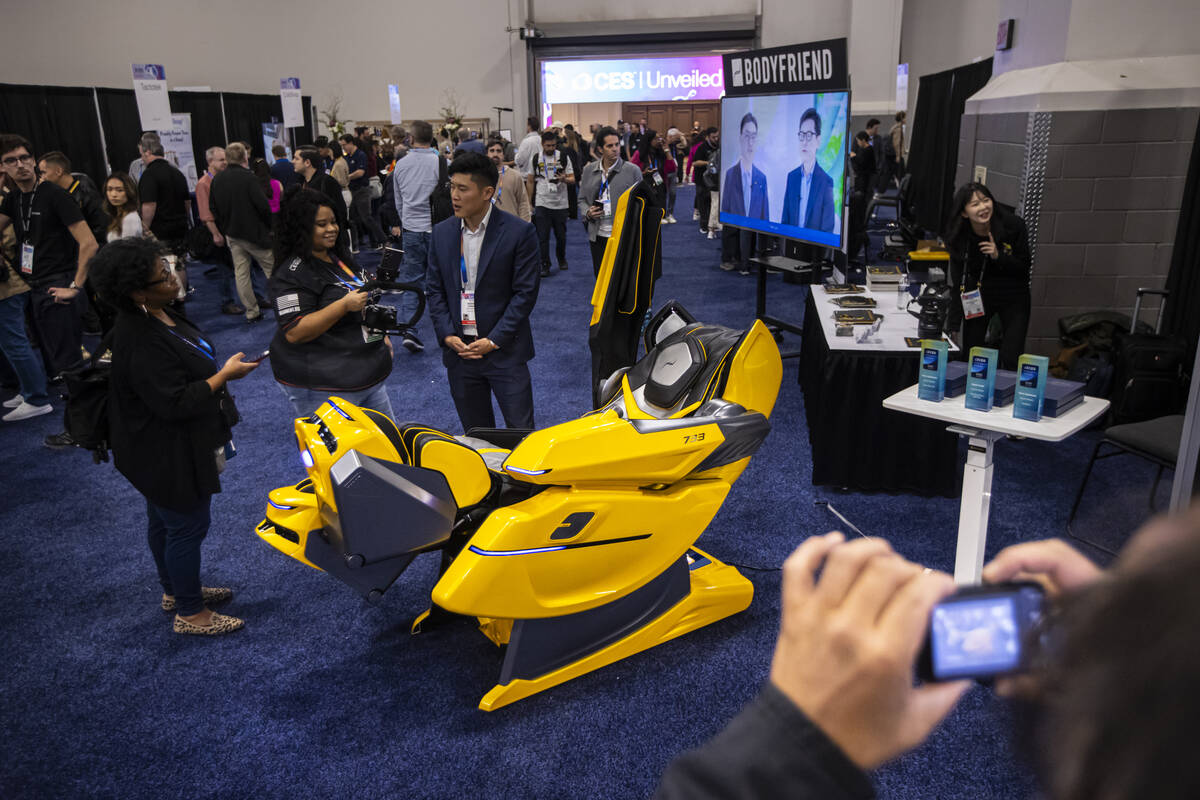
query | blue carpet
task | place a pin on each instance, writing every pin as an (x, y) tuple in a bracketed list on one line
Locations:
[(324, 696)]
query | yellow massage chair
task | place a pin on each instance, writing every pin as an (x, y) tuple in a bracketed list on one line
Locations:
[(572, 545)]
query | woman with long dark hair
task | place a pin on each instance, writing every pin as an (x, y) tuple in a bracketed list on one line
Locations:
[(989, 269), (121, 205), (321, 346), (652, 154), (170, 420)]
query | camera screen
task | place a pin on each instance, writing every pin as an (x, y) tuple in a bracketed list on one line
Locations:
[(975, 636), (979, 367), (1029, 375), (929, 359)]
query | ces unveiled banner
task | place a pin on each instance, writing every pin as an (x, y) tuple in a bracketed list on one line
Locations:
[(632, 79)]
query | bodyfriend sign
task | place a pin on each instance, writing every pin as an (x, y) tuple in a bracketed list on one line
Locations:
[(629, 79), (796, 68)]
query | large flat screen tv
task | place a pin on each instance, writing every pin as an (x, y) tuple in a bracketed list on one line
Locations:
[(783, 165)]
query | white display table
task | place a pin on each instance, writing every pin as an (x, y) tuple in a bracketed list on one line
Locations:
[(981, 431)]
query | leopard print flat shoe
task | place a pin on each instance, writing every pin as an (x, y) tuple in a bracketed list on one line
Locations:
[(220, 624), (209, 594)]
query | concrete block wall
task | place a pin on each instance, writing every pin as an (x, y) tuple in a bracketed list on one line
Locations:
[(1107, 222)]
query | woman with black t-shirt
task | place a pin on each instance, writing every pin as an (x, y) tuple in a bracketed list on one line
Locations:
[(321, 347), (989, 270)]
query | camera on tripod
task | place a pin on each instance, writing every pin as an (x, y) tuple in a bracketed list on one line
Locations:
[(935, 305)]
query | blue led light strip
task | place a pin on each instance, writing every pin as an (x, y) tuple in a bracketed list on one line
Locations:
[(479, 551)]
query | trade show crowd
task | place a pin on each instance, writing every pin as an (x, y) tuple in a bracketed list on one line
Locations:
[(283, 236)]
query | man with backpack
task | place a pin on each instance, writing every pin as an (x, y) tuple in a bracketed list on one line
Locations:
[(549, 175), (416, 177)]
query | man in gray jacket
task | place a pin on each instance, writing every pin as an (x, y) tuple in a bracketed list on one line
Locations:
[(603, 183)]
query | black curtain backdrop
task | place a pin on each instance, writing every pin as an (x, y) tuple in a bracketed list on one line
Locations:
[(56, 118), (1183, 279), (207, 128), (246, 113), (122, 128), (64, 118), (933, 154)]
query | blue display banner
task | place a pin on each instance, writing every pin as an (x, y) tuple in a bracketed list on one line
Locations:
[(633, 79)]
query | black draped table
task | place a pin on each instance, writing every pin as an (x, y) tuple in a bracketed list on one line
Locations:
[(857, 443)]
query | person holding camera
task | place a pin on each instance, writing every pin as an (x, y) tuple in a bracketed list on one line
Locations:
[(989, 269), (170, 419), (1112, 698), (322, 346)]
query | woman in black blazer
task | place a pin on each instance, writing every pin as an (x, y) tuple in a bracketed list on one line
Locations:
[(169, 421)]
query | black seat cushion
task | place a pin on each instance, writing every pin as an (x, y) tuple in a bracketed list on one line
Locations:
[(1156, 437), (673, 371)]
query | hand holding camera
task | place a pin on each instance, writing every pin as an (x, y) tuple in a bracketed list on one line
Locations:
[(848, 643)]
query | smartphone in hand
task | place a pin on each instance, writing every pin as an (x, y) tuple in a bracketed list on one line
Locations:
[(259, 357)]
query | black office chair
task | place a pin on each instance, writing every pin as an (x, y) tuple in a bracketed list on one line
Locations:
[(1156, 440), (890, 199)]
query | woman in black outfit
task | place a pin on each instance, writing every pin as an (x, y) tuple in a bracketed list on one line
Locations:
[(321, 347), (989, 252), (169, 421)]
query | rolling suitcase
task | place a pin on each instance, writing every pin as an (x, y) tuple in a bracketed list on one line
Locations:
[(1149, 378)]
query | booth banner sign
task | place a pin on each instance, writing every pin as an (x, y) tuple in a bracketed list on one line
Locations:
[(177, 147), (791, 69), (293, 108), (150, 89), (902, 87), (632, 79), (394, 103)]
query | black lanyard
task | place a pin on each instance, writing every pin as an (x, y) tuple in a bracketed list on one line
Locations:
[(27, 214)]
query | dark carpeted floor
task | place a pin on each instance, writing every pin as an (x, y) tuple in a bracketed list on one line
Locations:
[(323, 696)]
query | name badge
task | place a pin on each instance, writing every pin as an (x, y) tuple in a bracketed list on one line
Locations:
[(27, 259), (606, 199), (468, 309), (972, 303)]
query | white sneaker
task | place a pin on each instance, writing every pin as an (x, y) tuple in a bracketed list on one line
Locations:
[(13, 402), (25, 411), (712, 234), (695, 216), (671, 219)]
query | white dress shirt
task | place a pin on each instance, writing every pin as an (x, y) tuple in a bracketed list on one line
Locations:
[(472, 245)]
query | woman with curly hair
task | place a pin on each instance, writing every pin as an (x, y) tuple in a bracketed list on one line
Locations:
[(321, 346), (121, 205), (170, 420)]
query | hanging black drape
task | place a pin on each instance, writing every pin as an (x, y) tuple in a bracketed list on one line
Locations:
[(207, 128), (933, 154), (246, 113), (122, 126), (56, 118), (64, 118), (1181, 317)]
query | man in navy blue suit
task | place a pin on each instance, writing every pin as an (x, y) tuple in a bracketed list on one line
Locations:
[(808, 199), (481, 284), (745, 189)]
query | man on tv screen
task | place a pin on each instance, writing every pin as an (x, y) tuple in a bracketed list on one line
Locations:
[(745, 190), (808, 200)]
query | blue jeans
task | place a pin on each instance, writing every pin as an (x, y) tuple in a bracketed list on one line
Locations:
[(175, 539), (305, 401), (412, 268), (31, 376)]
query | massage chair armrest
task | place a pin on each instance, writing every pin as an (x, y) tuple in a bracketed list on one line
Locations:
[(503, 438)]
